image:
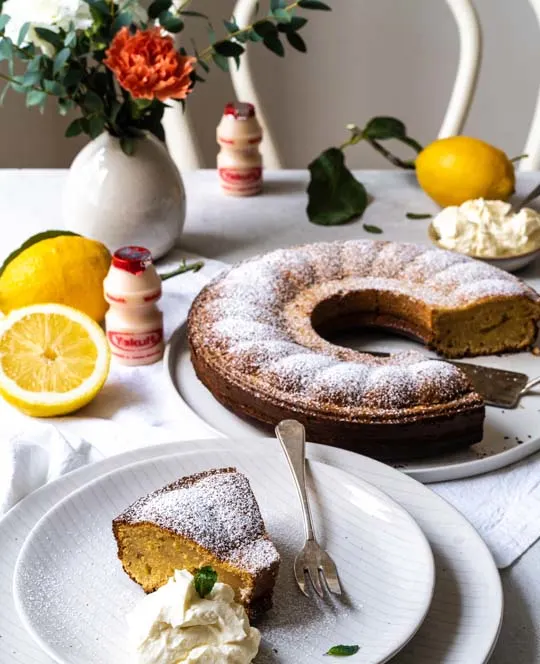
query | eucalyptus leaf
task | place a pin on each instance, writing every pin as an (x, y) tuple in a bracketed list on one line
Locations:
[(296, 23), (47, 235), (158, 7), (60, 60), (171, 23), (4, 20), (127, 143), (277, 4), (231, 26), (273, 43), (282, 15), (193, 14), (36, 98), (205, 580), (335, 195), (75, 128), (296, 41), (22, 33), (343, 651), (228, 49), (6, 49), (221, 61), (50, 37), (265, 28), (314, 4)]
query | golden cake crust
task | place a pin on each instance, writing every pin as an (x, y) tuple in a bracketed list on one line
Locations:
[(255, 342)]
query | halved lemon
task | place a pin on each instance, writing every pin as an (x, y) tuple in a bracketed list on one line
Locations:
[(53, 359)]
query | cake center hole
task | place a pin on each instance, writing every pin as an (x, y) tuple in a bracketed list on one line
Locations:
[(362, 322)]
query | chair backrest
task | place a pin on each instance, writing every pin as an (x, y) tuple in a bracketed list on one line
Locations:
[(184, 146)]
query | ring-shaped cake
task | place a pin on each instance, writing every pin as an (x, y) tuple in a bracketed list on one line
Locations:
[(256, 344)]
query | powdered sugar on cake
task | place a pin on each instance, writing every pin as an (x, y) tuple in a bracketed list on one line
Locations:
[(246, 321), (216, 509)]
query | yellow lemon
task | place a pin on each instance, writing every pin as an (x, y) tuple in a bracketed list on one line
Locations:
[(66, 269), (53, 359), (457, 169)]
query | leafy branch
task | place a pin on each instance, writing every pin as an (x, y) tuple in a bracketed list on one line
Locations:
[(335, 196)]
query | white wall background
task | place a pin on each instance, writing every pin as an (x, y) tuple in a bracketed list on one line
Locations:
[(367, 57)]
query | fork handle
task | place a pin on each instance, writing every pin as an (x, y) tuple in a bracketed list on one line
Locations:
[(292, 436)]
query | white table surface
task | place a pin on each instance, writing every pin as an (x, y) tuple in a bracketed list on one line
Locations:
[(231, 229)]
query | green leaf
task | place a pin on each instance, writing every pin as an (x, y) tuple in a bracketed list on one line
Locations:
[(36, 98), (228, 49), (93, 102), (415, 215), (96, 125), (265, 28), (123, 20), (22, 33), (6, 49), (253, 36), (54, 88), (277, 4), (282, 15), (75, 128), (231, 26), (73, 77), (171, 23), (296, 23), (157, 7), (273, 43), (50, 37), (60, 60), (32, 78), (221, 61), (4, 92), (343, 651), (127, 143), (382, 128), (205, 580), (372, 229), (314, 4), (4, 20), (335, 195), (47, 235), (100, 7), (296, 41)]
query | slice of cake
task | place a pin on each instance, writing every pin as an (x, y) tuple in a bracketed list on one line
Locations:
[(211, 518)]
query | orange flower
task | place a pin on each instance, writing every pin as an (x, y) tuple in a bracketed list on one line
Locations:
[(148, 65)]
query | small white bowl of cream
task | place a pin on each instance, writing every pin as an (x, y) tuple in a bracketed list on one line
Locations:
[(490, 232)]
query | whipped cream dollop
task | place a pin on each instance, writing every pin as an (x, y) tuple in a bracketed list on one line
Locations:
[(174, 624), (481, 228)]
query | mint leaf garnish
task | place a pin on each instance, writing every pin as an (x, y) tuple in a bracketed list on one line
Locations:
[(205, 579), (343, 651)]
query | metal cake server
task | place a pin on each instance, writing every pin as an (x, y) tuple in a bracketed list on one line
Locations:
[(498, 387)]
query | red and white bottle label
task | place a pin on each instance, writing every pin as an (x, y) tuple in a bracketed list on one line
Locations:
[(136, 346), (241, 179)]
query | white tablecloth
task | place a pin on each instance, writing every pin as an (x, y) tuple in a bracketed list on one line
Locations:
[(230, 229)]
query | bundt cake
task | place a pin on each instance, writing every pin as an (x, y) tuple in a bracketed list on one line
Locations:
[(211, 518), (255, 337)]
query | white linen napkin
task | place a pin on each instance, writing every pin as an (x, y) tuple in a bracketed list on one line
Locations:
[(503, 506), (137, 408)]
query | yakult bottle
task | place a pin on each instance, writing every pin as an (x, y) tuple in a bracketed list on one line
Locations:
[(240, 164), (134, 323)]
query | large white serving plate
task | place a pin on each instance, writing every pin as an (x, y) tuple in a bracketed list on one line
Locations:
[(509, 435), (464, 619), (73, 594)]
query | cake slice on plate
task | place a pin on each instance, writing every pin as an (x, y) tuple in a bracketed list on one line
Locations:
[(211, 518)]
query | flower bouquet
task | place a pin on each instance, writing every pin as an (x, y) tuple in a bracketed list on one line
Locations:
[(118, 65)]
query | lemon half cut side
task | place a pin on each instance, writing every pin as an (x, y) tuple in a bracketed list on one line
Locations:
[(53, 359)]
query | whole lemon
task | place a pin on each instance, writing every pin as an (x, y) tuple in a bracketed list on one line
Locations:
[(66, 269), (456, 169)]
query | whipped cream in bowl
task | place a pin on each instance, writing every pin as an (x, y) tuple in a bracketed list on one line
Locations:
[(486, 230), (175, 624)]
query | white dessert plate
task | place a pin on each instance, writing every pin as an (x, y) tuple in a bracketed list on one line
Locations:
[(509, 435), (465, 615), (72, 594)]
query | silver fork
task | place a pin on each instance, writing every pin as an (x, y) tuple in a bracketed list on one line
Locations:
[(312, 560)]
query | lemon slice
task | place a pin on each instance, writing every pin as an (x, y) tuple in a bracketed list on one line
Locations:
[(53, 359)]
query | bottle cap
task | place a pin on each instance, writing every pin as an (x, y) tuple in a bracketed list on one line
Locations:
[(240, 110), (132, 259)]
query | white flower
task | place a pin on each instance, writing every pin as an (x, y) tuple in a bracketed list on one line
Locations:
[(51, 14)]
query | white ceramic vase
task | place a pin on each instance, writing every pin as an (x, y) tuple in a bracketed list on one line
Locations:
[(125, 200)]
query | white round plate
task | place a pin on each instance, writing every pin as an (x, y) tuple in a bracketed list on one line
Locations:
[(509, 435), (465, 616), (72, 593)]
